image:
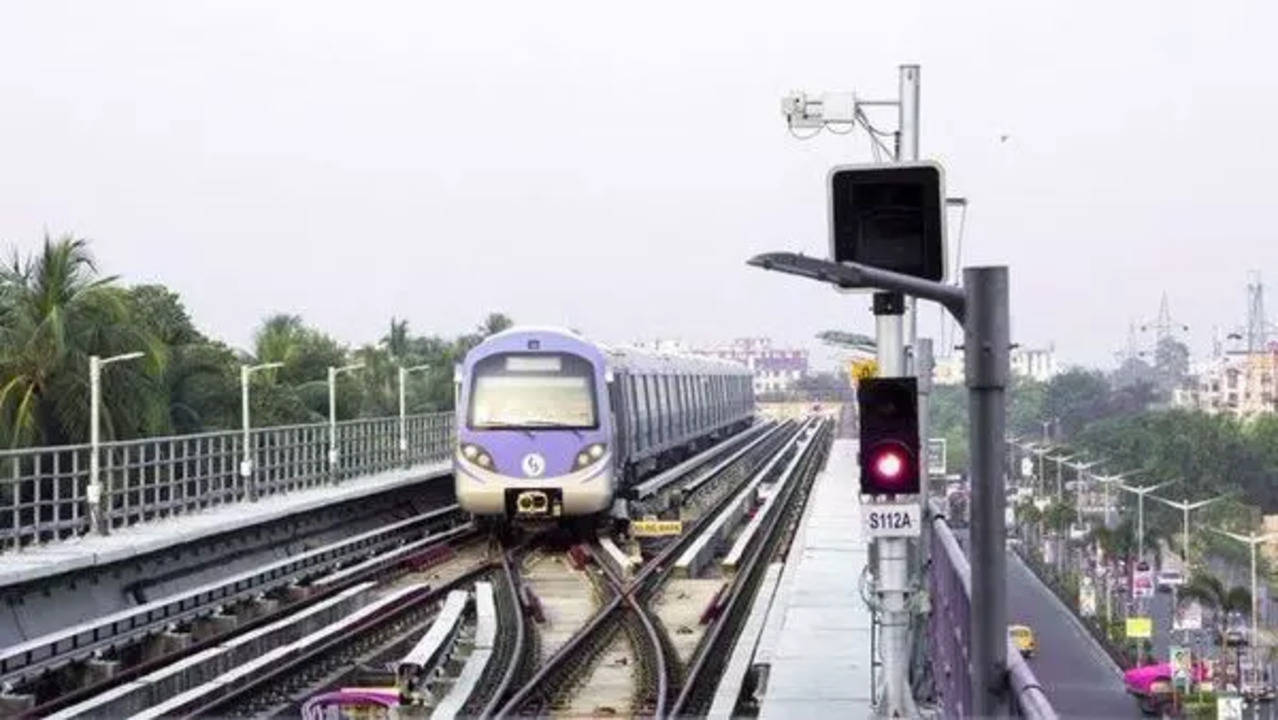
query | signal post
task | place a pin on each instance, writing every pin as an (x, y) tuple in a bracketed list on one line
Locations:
[(887, 233)]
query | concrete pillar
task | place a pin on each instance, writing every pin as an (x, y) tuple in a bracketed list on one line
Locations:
[(12, 705), (259, 607), (97, 670), (165, 643), (213, 626)]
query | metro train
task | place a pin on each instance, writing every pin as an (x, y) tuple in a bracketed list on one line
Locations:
[(552, 426)]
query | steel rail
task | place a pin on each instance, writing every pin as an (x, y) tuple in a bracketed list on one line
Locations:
[(804, 466), (459, 534), (512, 666), (199, 706), (660, 563), (657, 650)]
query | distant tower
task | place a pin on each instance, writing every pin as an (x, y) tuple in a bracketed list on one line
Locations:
[(1257, 324), (1164, 327)]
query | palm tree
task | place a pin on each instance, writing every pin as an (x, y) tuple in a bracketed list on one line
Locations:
[(1210, 592), (396, 341), (56, 311), (279, 338)]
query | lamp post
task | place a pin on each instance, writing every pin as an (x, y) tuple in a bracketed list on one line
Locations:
[(1140, 493), (246, 465), (1251, 540), (1060, 482), (403, 421), (1106, 481), (1185, 507), (97, 498), (1041, 451), (333, 372)]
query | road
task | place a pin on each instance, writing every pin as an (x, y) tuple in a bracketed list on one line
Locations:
[(1079, 678)]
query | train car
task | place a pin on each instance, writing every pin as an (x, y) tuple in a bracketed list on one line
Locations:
[(551, 425)]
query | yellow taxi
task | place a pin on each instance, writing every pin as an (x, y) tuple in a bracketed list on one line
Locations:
[(1023, 637)]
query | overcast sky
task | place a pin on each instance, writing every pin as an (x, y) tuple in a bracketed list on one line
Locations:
[(611, 169)]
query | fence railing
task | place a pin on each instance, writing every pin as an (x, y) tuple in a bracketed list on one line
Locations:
[(950, 591), (44, 492)]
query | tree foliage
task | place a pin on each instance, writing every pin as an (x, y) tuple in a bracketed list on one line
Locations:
[(57, 309)]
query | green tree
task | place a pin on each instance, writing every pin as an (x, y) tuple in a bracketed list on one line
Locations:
[(1077, 397), (1211, 593), (56, 311)]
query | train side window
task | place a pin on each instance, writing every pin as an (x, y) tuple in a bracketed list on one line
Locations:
[(662, 411), (641, 387), (632, 411), (683, 406), (650, 411), (672, 384)]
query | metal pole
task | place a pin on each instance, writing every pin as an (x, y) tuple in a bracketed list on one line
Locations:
[(403, 424), (1140, 526), (332, 420), (1185, 560), (986, 351), (923, 371), (246, 464), (893, 553), (97, 498), (1255, 631), (908, 141)]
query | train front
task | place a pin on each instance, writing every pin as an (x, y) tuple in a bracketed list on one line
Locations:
[(533, 427)]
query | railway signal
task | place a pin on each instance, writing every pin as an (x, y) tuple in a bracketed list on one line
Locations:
[(889, 436)]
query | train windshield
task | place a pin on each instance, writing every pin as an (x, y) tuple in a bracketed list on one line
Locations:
[(533, 391)]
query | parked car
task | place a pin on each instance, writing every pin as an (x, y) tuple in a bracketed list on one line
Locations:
[(1169, 578)]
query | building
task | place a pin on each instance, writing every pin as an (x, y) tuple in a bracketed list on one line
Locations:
[(1036, 364), (1240, 383), (1039, 365), (775, 369)]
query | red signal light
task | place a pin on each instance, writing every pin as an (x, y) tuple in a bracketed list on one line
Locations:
[(889, 465)]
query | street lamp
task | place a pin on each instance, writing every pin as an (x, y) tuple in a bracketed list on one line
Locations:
[(1060, 483), (1106, 481), (1185, 507), (333, 372), (403, 422), (246, 465), (1140, 493), (1252, 540), (1041, 451), (97, 499)]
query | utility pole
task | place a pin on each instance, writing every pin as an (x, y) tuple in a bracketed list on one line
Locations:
[(98, 497), (403, 417), (1252, 540), (246, 464), (1185, 507), (1140, 493), (893, 570), (333, 451)]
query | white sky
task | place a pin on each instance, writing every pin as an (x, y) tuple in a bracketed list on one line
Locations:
[(611, 169)]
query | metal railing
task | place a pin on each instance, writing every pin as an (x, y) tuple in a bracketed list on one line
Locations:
[(44, 491), (950, 590)]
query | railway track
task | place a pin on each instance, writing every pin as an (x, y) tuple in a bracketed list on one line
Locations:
[(504, 629), (665, 681), (324, 581)]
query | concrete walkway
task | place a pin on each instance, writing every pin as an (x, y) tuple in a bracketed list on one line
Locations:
[(816, 639)]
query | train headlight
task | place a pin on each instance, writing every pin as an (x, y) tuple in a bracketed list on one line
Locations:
[(589, 455), (477, 455)]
